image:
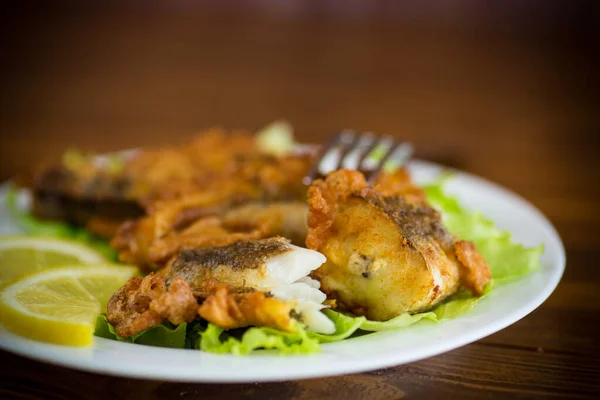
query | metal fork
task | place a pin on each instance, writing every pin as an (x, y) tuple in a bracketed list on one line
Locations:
[(362, 151)]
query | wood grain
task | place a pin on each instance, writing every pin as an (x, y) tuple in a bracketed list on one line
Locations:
[(513, 103)]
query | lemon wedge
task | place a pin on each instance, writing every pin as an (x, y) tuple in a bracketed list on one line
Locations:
[(22, 255), (60, 305)]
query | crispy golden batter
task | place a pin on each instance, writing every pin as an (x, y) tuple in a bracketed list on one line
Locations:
[(228, 310), (173, 185), (145, 173), (144, 303), (264, 178), (398, 183), (138, 244), (386, 254), (151, 254), (206, 232), (150, 240), (131, 311), (253, 179), (474, 271), (224, 279), (213, 153)]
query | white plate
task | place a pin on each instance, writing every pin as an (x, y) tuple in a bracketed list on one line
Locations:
[(505, 305)]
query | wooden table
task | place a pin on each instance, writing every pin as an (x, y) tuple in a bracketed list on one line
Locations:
[(511, 102)]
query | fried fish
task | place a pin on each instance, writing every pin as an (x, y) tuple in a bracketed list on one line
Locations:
[(139, 243), (387, 250), (171, 184), (251, 282)]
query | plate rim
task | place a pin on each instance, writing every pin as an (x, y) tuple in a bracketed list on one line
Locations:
[(49, 355)]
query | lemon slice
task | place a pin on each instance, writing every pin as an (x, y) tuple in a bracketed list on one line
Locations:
[(60, 305), (22, 255)]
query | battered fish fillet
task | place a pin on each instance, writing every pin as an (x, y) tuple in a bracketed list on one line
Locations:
[(387, 250), (172, 184), (139, 243), (251, 282), (264, 179)]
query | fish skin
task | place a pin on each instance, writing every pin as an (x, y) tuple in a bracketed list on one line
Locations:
[(242, 264)]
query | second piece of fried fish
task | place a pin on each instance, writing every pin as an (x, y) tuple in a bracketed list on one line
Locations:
[(137, 243)]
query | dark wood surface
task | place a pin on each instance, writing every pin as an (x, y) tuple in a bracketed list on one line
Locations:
[(511, 99)]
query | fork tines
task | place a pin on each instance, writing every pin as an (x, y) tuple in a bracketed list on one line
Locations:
[(361, 151)]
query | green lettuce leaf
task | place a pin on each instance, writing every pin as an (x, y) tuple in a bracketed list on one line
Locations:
[(345, 326), (401, 321), (348, 325), (165, 335), (104, 329), (451, 308), (215, 340), (458, 304), (276, 138), (34, 226)]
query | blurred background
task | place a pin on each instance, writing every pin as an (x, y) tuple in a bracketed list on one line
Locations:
[(507, 90)]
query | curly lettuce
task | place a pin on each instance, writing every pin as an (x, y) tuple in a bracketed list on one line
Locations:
[(242, 342), (165, 335)]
